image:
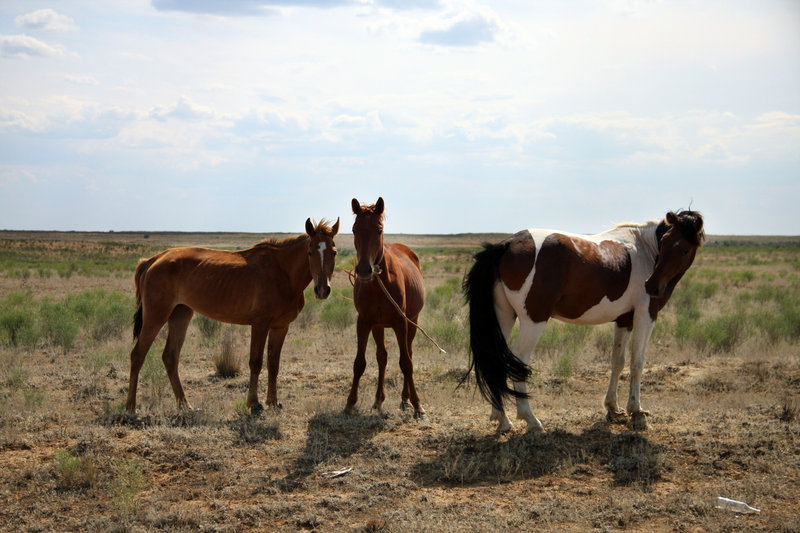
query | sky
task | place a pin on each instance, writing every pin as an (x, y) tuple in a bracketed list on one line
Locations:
[(464, 115)]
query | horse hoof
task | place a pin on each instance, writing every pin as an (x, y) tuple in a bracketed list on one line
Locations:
[(616, 417), (420, 415), (535, 428), (405, 405), (639, 421), (256, 409)]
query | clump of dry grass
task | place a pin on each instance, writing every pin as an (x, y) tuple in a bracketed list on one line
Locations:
[(226, 361)]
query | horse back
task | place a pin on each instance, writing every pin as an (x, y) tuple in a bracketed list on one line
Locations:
[(572, 274), (220, 284)]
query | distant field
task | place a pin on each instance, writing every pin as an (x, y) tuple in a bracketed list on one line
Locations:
[(722, 384)]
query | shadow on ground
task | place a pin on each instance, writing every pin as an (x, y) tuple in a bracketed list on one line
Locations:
[(331, 436), (471, 459)]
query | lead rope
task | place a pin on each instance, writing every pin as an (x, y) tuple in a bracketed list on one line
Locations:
[(377, 271)]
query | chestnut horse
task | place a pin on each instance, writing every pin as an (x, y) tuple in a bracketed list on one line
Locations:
[(397, 267), (624, 275), (261, 286)]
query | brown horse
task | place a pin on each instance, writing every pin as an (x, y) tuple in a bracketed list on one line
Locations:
[(624, 275), (397, 267), (261, 286)]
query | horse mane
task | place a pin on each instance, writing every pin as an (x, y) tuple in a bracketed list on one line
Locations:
[(690, 224), (323, 226), (281, 243)]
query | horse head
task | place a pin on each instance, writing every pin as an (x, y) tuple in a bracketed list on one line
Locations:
[(681, 235), (368, 238), (321, 255)]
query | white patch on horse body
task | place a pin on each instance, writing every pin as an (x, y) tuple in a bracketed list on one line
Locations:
[(322, 247)]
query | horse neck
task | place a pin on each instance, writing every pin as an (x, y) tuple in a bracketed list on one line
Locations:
[(648, 240), (292, 259), (295, 264)]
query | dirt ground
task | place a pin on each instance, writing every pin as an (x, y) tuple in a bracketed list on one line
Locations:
[(721, 424)]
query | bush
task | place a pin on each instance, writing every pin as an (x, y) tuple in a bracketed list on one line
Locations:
[(17, 325), (337, 312), (227, 363), (209, 328), (59, 324), (721, 334)]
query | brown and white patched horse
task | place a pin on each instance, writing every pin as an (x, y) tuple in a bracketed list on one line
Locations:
[(624, 275), (397, 267), (261, 286)]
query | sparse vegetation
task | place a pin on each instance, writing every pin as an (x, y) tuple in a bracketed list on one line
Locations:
[(720, 382)]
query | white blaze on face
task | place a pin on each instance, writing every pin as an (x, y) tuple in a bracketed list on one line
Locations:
[(322, 247)]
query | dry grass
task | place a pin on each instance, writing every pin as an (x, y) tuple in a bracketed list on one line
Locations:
[(724, 423)]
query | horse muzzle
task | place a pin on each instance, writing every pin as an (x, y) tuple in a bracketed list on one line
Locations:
[(653, 289), (364, 271), (322, 291)]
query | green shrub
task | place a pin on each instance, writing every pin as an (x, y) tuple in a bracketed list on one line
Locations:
[(74, 472), (209, 328), (443, 294), (721, 334), (563, 366), (562, 336), (59, 324), (129, 480), (337, 312), (17, 325)]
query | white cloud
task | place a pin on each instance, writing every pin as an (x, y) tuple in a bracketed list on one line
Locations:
[(240, 8), (463, 27), (78, 79), (24, 46), (46, 20), (184, 109)]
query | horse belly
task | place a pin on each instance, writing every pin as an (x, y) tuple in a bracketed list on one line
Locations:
[(601, 313)]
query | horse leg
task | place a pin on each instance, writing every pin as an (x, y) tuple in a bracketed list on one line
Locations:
[(150, 328), (506, 316), (258, 338), (178, 324), (274, 346), (614, 414), (405, 336), (528, 338), (381, 355), (360, 363), (642, 328)]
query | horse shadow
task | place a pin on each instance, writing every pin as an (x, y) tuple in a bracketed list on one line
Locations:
[(330, 436), (468, 459)]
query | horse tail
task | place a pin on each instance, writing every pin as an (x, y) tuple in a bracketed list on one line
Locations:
[(493, 361), (141, 268)]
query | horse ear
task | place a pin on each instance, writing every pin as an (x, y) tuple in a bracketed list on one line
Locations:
[(335, 228), (310, 228), (672, 218), (356, 207), (379, 206)]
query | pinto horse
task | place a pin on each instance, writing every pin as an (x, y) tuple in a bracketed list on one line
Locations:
[(261, 286), (397, 267), (624, 275)]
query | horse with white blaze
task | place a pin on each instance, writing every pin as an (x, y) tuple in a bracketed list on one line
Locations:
[(623, 275)]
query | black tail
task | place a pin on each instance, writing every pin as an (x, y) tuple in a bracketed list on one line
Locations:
[(493, 361)]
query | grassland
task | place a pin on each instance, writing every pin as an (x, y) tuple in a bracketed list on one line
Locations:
[(722, 381)]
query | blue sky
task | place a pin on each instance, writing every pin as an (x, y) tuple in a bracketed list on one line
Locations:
[(465, 115)]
